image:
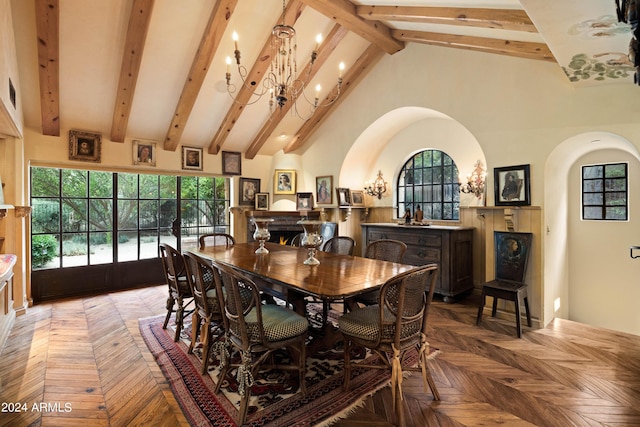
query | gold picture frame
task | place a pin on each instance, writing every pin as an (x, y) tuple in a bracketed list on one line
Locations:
[(85, 146), (144, 153), (284, 181)]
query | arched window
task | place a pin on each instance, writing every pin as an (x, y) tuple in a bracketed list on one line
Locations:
[(429, 179)]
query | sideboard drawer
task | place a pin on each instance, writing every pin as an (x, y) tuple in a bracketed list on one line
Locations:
[(409, 236), (448, 247)]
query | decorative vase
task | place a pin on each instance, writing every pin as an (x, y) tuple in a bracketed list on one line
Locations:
[(312, 239), (261, 234)]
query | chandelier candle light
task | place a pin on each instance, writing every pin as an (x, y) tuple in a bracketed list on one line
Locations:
[(281, 80), (376, 187)]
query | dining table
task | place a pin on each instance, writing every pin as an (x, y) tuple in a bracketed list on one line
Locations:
[(336, 277), (282, 273)]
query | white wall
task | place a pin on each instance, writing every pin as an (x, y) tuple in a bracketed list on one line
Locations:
[(604, 287)]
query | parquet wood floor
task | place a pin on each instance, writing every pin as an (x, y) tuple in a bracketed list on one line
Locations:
[(88, 354)]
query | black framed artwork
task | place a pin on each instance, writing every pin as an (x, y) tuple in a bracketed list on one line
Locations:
[(511, 186), (231, 163), (249, 187)]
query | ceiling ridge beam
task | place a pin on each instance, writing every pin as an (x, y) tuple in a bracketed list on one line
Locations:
[(351, 78), (344, 13), (218, 21), (504, 19), (291, 14), (48, 35), (332, 40), (139, 20), (529, 50)]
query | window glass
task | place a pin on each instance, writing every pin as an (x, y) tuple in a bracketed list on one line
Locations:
[(78, 219), (604, 192), (429, 180)]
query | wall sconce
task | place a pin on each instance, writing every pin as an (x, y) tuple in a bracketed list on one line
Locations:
[(376, 187), (475, 181)]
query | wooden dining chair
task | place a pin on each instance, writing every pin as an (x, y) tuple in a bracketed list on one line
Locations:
[(256, 330), (297, 240), (384, 250), (216, 239), (179, 289), (392, 327), (511, 258), (343, 245), (207, 319)]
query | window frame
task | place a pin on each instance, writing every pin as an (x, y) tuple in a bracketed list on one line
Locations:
[(598, 186), (435, 186)]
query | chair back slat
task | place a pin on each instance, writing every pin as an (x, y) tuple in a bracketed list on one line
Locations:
[(512, 255), (386, 250)]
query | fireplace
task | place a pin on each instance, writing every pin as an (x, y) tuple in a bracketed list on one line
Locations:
[(284, 226)]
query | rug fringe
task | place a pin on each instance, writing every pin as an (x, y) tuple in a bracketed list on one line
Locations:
[(351, 408), (361, 401)]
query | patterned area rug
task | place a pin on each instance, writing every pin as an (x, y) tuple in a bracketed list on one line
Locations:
[(275, 400)]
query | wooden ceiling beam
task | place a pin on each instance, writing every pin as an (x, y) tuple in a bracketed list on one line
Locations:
[(324, 50), (504, 19), (47, 28), (529, 50), (291, 14), (139, 20), (355, 73), (209, 43), (344, 13)]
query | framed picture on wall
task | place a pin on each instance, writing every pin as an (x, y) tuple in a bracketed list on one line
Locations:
[(192, 158), (231, 163), (511, 186), (324, 190), (144, 153), (85, 146), (284, 182), (249, 187)]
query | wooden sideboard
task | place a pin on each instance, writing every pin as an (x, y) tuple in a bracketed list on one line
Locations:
[(449, 247)]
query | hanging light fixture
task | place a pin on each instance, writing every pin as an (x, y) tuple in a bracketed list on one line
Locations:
[(377, 187), (281, 81)]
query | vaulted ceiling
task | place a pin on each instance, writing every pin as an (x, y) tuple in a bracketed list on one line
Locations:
[(155, 70)]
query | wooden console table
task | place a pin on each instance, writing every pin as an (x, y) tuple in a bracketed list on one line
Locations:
[(449, 247)]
